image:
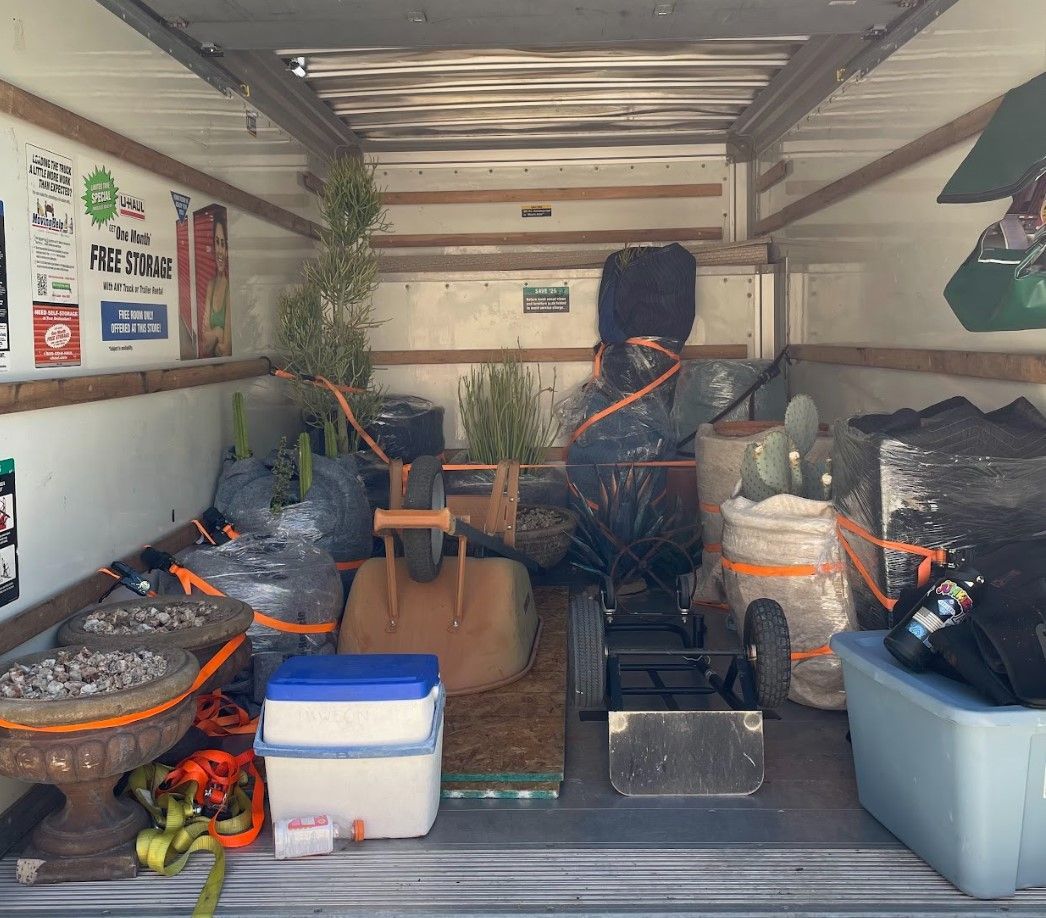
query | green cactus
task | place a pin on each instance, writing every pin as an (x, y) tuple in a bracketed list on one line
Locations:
[(330, 439), (304, 465), (778, 463), (802, 421), (242, 448)]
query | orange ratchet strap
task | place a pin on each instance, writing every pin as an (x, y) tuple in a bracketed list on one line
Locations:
[(338, 392), (785, 570), (217, 715), (597, 369), (206, 671), (216, 775), (930, 556), (823, 651)]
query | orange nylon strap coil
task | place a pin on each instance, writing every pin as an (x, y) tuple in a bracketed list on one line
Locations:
[(189, 580), (597, 368), (216, 773), (206, 671), (217, 715), (784, 570), (930, 556)]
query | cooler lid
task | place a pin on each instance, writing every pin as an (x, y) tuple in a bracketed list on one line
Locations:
[(355, 677)]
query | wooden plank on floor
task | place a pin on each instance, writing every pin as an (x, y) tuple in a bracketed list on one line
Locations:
[(942, 138), (538, 355), (553, 237), (1026, 368)]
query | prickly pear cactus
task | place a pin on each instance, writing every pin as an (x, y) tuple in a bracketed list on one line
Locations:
[(802, 421), (795, 469), (752, 485)]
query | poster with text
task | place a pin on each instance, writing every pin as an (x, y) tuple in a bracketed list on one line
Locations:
[(8, 534), (56, 335), (52, 240), (213, 316), (129, 282)]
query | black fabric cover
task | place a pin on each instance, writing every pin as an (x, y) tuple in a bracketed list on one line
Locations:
[(408, 426), (652, 296)]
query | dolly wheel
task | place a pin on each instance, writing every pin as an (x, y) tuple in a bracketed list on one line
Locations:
[(588, 648), (423, 548), (769, 650)]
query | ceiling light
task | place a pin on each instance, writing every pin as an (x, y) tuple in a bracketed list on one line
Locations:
[(296, 65), (664, 9), (417, 16)]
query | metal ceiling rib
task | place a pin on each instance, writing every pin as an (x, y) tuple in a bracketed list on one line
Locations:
[(400, 98)]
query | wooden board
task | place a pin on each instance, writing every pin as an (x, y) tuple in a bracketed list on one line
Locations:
[(541, 195), (930, 144), (777, 173), (77, 390), (23, 105), (1026, 368), (750, 253), (510, 742), (537, 355), (554, 237)]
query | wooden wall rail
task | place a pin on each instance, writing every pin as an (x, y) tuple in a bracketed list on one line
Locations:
[(537, 355), (27, 624), (560, 237), (77, 390), (751, 253), (23, 105), (1025, 368), (777, 173), (962, 128), (536, 195)]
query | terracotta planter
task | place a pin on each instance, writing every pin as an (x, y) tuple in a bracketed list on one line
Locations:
[(95, 830), (231, 618)]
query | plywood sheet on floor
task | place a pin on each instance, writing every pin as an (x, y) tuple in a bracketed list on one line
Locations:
[(510, 742)]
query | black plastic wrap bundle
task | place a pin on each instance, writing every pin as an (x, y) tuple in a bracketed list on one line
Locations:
[(707, 387), (408, 426), (641, 431), (949, 476), (335, 514)]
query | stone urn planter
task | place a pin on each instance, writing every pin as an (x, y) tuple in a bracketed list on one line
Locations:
[(92, 836), (201, 625)]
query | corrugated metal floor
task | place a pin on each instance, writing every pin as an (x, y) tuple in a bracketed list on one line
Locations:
[(802, 845)]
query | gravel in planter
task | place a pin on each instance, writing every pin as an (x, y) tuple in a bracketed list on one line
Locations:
[(149, 619), (83, 673), (530, 518)]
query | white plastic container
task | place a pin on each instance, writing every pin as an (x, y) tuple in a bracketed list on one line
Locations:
[(959, 781), (346, 741)]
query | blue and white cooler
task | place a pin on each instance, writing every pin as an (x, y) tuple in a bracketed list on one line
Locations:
[(355, 737)]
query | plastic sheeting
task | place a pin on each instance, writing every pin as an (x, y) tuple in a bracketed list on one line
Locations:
[(949, 476), (788, 532), (638, 432), (646, 292), (537, 487), (718, 471), (707, 387), (408, 426), (335, 513), (286, 578)]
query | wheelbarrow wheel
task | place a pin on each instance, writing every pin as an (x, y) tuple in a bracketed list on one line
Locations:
[(423, 548), (769, 649), (588, 647)]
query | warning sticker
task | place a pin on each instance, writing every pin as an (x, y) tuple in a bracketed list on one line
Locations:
[(546, 299), (537, 210), (8, 534)]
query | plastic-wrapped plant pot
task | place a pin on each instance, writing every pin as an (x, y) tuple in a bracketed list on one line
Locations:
[(408, 426), (546, 486)]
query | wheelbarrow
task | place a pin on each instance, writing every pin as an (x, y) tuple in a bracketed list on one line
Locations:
[(706, 737)]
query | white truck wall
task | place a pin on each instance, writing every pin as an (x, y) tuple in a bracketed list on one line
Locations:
[(872, 268), (96, 480), (460, 310)]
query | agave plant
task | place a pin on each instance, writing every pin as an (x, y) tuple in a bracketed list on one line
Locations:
[(634, 530)]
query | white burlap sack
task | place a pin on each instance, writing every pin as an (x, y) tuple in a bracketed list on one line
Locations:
[(792, 534), (718, 468)]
